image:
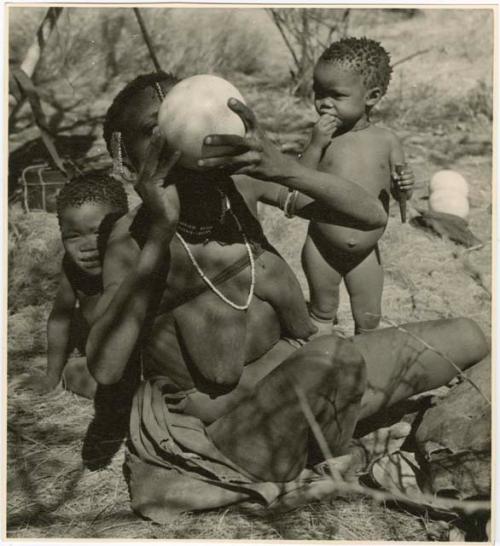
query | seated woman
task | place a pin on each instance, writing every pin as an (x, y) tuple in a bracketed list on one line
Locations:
[(192, 287)]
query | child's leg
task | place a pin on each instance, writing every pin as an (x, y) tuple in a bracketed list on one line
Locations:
[(365, 283), (324, 282), (79, 332), (76, 377)]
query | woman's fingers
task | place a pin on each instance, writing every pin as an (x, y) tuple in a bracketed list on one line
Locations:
[(155, 149), (167, 163), (243, 150), (226, 140), (231, 161), (247, 116)]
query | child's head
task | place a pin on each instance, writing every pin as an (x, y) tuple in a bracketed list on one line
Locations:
[(350, 77), (133, 115), (86, 207)]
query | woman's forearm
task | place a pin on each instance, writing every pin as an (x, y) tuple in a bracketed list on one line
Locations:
[(115, 334), (335, 193)]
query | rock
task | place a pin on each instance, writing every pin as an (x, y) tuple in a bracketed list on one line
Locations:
[(454, 438)]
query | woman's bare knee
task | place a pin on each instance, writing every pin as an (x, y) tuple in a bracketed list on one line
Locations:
[(460, 339), (471, 339), (332, 363)]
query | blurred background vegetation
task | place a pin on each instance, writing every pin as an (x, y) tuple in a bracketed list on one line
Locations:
[(442, 58)]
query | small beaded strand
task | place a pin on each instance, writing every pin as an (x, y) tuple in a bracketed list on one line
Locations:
[(209, 283)]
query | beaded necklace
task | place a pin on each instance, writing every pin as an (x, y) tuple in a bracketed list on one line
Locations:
[(208, 282), (197, 224)]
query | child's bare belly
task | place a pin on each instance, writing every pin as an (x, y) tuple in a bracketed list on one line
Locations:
[(363, 158), (345, 239)]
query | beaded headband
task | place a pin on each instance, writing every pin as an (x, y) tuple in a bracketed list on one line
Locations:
[(159, 91), (117, 152)]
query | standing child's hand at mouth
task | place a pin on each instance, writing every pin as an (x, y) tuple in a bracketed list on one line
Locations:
[(324, 130), (321, 136)]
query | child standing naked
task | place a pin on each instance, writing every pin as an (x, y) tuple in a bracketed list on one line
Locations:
[(87, 207), (350, 78)]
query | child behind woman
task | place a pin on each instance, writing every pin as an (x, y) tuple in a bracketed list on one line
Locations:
[(87, 207)]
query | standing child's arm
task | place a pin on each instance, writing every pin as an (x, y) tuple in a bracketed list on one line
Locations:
[(321, 137), (404, 180)]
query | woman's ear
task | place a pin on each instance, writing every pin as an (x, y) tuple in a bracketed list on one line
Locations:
[(372, 96)]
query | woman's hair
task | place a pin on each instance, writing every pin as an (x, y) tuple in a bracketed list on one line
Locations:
[(124, 97), (92, 187)]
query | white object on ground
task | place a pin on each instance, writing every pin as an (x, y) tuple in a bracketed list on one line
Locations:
[(449, 180), (449, 202)]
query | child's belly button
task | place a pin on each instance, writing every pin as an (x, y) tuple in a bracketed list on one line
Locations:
[(351, 240)]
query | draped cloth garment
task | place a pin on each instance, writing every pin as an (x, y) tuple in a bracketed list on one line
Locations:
[(173, 467)]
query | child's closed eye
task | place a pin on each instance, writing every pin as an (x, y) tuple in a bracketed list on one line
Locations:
[(70, 236)]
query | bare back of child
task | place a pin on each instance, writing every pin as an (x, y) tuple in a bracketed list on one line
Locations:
[(349, 79)]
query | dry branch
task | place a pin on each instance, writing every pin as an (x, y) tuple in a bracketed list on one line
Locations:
[(30, 62), (147, 39), (411, 56)]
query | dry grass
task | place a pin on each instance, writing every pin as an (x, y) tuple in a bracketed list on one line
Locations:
[(51, 494)]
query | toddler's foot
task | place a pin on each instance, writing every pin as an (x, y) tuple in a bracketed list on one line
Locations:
[(338, 331), (325, 326), (358, 330)]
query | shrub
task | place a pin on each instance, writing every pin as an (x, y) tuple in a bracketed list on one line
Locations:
[(86, 41)]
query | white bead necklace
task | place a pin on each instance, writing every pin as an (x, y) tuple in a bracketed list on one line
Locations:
[(208, 282)]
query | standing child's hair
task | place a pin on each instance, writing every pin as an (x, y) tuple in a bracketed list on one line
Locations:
[(362, 55), (92, 188)]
